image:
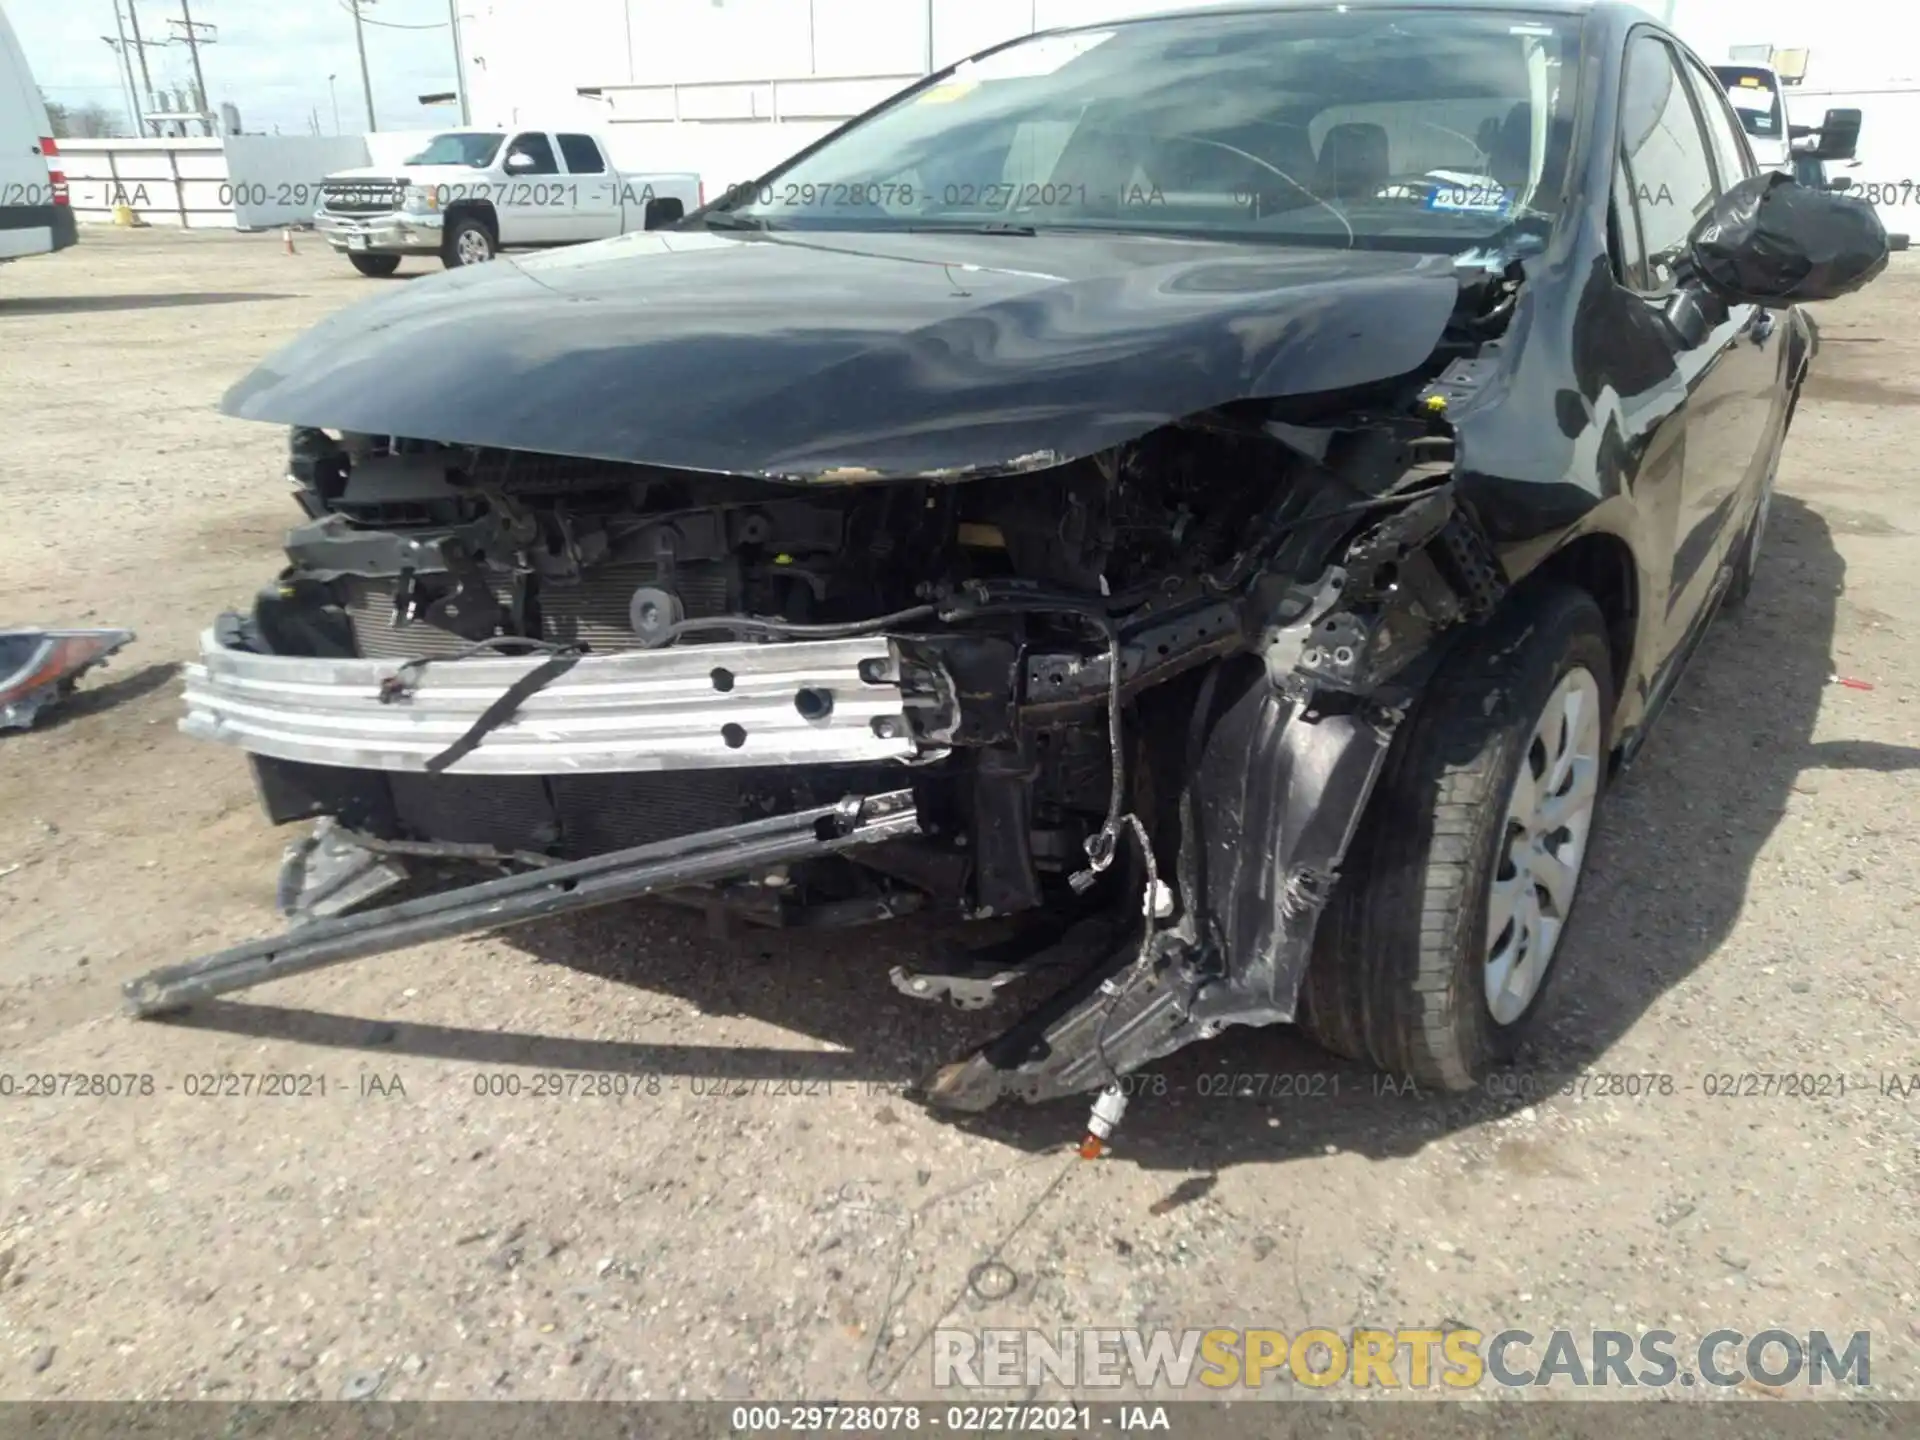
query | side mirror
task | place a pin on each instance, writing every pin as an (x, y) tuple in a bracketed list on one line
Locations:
[(1770, 241), (1693, 312), (1839, 183), (519, 160), (1839, 136)]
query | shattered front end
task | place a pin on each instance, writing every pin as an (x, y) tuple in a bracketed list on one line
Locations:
[(1132, 703)]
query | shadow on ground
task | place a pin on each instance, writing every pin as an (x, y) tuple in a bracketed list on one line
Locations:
[(1665, 883), (96, 304), (95, 698)]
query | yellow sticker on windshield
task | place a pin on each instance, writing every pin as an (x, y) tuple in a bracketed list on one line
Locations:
[(951, 91)]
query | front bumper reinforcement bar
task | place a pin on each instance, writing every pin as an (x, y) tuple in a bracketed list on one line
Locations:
[(579, 885), (691, 707)]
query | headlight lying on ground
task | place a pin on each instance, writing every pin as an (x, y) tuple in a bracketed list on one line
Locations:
[(39, 666)]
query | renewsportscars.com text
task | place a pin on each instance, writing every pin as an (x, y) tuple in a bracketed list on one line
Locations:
[(1419, 1359)]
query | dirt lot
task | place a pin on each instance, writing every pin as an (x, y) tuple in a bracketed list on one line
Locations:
[(1752, 907)]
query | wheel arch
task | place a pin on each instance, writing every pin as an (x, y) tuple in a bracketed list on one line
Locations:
[(481, 210), (1603, 565)]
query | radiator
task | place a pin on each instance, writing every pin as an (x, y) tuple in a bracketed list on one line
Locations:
[(369, 605), (567, 815), (594, 613)]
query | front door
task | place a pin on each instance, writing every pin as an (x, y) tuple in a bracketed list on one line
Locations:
[(533, 201), (593, 193), (1669, 173)]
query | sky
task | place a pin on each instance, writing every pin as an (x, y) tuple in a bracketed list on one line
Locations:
[(271, 58)]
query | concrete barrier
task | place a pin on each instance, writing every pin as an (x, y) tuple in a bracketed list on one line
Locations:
[(232, 182)]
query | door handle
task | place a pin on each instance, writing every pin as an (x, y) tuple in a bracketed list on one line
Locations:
[(1761, 326)]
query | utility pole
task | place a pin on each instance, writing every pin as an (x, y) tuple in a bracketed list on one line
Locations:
[(146, 80), (334, 96), (194, 41), (124, 75), (126, 65), (366, 81), (459, 64)]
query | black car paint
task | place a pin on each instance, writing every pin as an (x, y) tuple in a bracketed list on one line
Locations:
[(1596, 422), (1589, 425), (846, 357), (852, 356)]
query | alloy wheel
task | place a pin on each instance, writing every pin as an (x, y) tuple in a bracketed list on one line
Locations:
[(473, 247)]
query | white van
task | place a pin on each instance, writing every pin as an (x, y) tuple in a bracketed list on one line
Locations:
[(1755, 93), (35, 216)]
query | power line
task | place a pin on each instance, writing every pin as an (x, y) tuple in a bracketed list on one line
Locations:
[(389, 24), (196, 35)]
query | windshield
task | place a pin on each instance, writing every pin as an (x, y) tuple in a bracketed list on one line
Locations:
[(474, 151), (1416, 129), (1756, 100)]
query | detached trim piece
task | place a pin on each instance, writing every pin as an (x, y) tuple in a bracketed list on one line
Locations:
[(701, 707), (696, 859), (1275, 803)]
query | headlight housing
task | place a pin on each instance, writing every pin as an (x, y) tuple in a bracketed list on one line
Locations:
[(418, 199)]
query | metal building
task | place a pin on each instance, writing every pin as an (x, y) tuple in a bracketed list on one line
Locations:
[(729, 87)]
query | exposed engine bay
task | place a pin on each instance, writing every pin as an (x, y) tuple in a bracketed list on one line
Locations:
[(1149, 688), (1006, 593), (1080, 578)]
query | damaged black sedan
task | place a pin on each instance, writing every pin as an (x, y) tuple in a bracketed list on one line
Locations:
[(1219, 491)]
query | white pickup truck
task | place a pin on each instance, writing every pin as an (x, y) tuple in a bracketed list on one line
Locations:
[(472, 193)]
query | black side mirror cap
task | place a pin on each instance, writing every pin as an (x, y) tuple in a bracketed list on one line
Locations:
[(1692, 313), (1839, 133), (1770, 241)]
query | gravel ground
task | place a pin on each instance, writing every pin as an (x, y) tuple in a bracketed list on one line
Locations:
[(763, 1213)]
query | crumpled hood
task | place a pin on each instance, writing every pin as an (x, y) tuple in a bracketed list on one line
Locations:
[(842, 357)]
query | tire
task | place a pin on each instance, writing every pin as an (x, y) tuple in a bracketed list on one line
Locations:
[(468, 240), (1400, 970), (376, 266)]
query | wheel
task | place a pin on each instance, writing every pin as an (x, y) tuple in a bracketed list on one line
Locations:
[(1441, 934), (378, 266), (468, 241)]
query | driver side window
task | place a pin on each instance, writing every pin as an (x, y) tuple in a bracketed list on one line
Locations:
[(1665, 155), (1731, 156), (532, 143)]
